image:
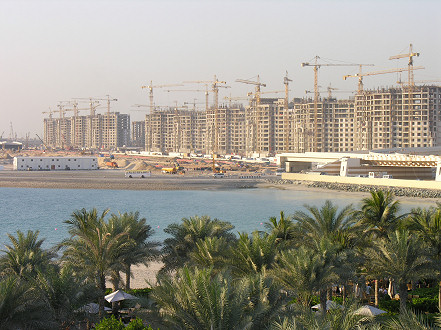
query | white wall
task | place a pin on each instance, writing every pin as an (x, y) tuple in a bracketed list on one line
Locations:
[(55, 163)]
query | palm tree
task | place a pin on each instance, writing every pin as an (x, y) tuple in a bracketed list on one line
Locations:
[(379, 213), (142, 250), (305, 271), (92, 249), (210, 252), (337, 319), (327, 222), (25, 256), (283, 230), (176, 250), (253, 254), (401, 258), (65, 293), (21, 307), (426, 223), (409, 320), (378, 217), (198, 299)]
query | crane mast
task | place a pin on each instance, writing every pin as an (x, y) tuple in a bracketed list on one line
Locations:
[(286, 81), (411, 85), (256, 125), (215, 85), (151, 87)]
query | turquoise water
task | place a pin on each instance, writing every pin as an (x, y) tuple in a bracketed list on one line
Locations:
[(46, 209)]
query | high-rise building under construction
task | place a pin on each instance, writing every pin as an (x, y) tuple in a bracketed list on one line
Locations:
[(100, 131), (373, 119)]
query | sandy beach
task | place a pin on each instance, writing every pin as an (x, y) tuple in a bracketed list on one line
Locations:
[(114, 179), (143, 275)]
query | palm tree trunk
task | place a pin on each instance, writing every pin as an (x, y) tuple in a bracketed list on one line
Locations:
[(403, 297), (439, 297), (128, 273), (323, 294), (376, 293), (102, 284)]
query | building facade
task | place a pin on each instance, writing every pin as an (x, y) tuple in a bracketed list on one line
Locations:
[(373, 119), (100, 131)]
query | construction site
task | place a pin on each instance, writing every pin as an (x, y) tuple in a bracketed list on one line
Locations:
[(405, 116)]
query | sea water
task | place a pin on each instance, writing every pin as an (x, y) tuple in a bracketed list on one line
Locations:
[(247, 209)]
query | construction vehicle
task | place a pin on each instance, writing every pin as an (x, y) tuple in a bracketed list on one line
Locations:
[(176, 169), (112, 164), (169, 170)]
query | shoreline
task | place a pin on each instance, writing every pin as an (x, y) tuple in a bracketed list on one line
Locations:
[(115, 180)]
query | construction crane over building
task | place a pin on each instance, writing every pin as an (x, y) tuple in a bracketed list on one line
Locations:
[(257, 93), (194, 90), (411, 84), (286, 82), (151, 87), (215, 85), (50, 112), (361, 75), (316, 66), (410, 67), (410, 94)]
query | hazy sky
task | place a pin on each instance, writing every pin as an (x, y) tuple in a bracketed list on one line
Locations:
[(58, 50)]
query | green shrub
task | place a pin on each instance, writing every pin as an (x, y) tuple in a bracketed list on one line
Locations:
[(425, 292), (424, 305), (110, 323), (137, 325), (141, 293), (391, 306)]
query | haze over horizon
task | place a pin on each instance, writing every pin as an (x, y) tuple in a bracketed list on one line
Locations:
[(58, 50)]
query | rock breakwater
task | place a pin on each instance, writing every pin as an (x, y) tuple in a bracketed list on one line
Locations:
[(397, 191)]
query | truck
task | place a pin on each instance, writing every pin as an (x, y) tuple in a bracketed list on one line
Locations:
[(112, 164), (169, 170)]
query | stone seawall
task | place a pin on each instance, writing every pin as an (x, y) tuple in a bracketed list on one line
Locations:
[(397, 191)]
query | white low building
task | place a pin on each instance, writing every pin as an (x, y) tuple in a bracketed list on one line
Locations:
[(55, 163)]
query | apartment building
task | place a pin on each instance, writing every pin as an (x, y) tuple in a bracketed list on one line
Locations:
[(374, 119), (138, 134), (398, 118), (101, 131)]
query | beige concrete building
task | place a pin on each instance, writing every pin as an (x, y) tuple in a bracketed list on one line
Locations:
[(397, 118), (374, 119), (101, 131), (138, 134)]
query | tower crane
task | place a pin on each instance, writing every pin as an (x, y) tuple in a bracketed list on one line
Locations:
[(411, 84), (151, 87), (96, 100), (193, 90), (330, 90), (257, 83), (215, 85), (410, 68), (50, 112), (257, 93), (401, 83), (93, 104), (193, 103), (286, 81), (361, 75), (316, 66)]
